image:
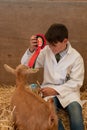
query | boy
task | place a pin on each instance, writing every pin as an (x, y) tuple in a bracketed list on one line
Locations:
[(63, 73)]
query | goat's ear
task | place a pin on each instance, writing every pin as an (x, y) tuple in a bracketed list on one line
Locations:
[(9, 69), (31, 70), (53, 119)]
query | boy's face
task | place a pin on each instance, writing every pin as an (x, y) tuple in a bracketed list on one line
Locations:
[(58, 47)]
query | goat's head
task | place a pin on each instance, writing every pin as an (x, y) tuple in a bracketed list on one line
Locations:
[(21, 71)]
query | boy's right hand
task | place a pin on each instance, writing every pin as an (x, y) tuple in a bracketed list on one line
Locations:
[(33, 43)]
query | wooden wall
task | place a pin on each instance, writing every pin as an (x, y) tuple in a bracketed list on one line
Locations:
[(19, 19)]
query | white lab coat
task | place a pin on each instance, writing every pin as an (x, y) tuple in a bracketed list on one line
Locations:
[(66, 76)]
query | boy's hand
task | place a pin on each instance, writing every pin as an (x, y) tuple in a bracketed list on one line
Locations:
[(47, 91), (33, 43)]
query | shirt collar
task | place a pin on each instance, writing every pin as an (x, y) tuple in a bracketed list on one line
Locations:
[(65, 51)]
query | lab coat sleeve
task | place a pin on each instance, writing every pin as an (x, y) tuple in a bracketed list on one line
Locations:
[(76, 79), (25, 58)]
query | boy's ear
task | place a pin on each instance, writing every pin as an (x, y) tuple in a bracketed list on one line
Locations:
[(65, 40)]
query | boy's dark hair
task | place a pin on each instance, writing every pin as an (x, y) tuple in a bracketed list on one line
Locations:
[(56, 32)]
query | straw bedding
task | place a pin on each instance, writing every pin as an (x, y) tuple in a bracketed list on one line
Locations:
[(6, 114)]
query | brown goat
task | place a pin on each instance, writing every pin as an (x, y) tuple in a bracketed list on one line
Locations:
[(31, 112)]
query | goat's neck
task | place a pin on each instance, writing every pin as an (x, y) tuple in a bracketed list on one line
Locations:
[(20, 82)]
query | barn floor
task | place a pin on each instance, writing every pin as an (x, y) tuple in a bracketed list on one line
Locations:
[(6, 114)]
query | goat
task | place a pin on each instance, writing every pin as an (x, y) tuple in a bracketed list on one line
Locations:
[(31, 112)]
